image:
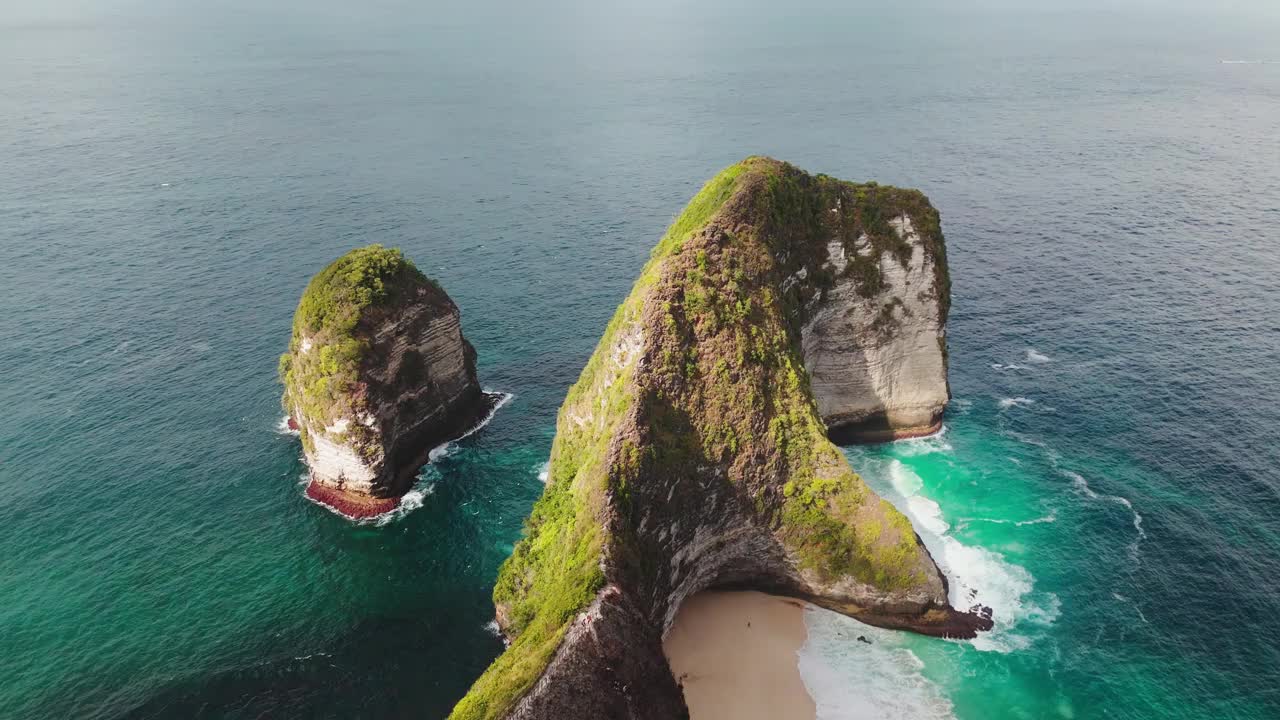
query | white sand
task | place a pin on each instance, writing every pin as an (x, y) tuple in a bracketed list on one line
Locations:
[(735, 655)]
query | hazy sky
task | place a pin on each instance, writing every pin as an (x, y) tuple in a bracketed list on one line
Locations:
[(71, 10)]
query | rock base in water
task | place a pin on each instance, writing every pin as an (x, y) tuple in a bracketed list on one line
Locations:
[(353, 505), (878, 430)]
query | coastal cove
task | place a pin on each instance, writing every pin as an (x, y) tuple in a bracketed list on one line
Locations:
[(1104, 478)]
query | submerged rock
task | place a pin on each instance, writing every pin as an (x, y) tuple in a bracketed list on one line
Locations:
[(692, 452), (377, 374)]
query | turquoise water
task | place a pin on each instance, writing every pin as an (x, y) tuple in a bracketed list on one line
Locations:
[(173, 174)]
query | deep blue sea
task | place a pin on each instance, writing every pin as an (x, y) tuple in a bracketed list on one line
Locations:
[(172, 173)]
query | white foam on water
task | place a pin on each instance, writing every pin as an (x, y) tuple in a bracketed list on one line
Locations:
[(312, 655), (1124, 599), (423, 487), (1029, 440), (283, 428), (544, 472), (446, 449), (849, 679), (409, 502), (443, 450), (1081, 486), (1051, 517), (976, 575), (934, 443), (1010, 366), (503, 399), (492, 628), (1037, 357), (1006, 403)]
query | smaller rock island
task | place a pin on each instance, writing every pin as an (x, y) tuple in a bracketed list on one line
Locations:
[(377, 374)]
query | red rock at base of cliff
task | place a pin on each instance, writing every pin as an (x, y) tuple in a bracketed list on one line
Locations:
[(352, 505)]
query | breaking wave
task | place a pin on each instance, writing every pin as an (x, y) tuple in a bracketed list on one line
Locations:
[(283, 428), (935, 443), (446, 449), (977, 576), (850, 679)]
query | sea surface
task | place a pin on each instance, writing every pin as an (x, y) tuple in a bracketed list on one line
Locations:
[(172, 173)]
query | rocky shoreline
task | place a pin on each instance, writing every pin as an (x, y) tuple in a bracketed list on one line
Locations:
[(361, 506), (354, 506), (873, 435)]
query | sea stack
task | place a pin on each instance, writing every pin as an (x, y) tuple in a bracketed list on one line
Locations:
[(693, 451), (377, 374)]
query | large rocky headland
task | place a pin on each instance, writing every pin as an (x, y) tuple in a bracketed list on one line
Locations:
[(779, 310), (377, 374)]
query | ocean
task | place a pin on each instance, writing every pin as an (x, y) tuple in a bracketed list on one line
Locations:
[(174, 172)]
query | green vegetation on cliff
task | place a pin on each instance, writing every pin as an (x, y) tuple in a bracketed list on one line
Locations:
[(554, 572), (700, 368), (320, 371)]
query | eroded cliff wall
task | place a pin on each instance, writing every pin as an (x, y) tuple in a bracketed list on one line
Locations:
[(876, 351)]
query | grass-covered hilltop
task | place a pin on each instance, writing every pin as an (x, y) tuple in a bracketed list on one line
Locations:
[(693, 453), (376, 374)]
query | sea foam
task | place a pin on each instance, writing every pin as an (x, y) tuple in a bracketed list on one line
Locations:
[(283, 428), (446, 449), (977, 576), (853, 680), (1082, 487), (425, 484), (1006, 403)]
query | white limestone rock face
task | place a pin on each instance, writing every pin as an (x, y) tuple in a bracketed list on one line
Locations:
[(877, 363), (419, 389)]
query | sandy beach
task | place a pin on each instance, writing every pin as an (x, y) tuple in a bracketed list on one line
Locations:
[(735, 655)]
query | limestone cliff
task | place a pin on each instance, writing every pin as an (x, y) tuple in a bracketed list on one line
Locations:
[(377, 374), (874, 340), (692, 452)]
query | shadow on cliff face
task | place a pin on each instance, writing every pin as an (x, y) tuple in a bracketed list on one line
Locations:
[(695, 529)]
